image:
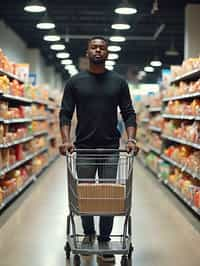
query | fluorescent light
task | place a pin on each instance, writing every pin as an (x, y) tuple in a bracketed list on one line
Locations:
[(66, 62), (110, 63), (126, 10), (149, 69), (70, 67), (57, 47), (117, 39), (156, 63), (35, 6), (114, 48), (45, 26), (109, 67), (120, 26), (51, 38), (113, 56), (62, 55)]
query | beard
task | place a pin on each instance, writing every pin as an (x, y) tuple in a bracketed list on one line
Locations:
[(97, 61)]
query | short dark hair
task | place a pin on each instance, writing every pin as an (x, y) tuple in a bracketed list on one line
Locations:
[(98, 37)]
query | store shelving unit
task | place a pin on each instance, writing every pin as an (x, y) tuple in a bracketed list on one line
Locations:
[(16, 101), (172, 140)]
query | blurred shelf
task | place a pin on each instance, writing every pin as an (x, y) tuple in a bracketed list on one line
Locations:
[(53, 121), (182, 117), (182, 141), (17, 120), (51, 107), (40, 102), (7, 145), (145, 120), (156, 129), (39, 118), (11, 197), (181, 97), (180, 166), (181, 196), (10, 75), (157, 151), (16, 99), (190, 76), (19, 163), (43, 132), (155, 109)]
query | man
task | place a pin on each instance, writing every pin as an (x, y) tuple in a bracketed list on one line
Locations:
[(96, 94)]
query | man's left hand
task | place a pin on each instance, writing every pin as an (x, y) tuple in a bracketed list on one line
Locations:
[(132, 147)]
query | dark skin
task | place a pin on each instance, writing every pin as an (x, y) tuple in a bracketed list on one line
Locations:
[(97, 53)]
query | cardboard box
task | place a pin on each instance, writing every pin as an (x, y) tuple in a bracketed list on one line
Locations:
[(101, 198)]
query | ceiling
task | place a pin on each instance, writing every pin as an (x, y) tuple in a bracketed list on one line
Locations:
[(150, 34)]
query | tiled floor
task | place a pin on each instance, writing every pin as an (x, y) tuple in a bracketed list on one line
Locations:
[(32, 230)]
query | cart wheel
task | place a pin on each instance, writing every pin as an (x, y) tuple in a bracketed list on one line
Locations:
[(124, 261), (130, 251), (67, 250), (77, 260)]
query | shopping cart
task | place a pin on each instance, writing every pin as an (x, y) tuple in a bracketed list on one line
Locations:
[(107, 193)]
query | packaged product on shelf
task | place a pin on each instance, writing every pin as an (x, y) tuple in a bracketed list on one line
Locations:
[(4, 84), (3, 109)]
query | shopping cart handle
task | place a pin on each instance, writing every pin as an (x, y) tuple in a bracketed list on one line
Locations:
[(100, 150)]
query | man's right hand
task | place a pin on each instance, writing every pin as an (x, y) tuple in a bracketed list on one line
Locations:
[(66, 147)]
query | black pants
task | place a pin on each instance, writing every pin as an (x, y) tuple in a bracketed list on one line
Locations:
[(87, 166)]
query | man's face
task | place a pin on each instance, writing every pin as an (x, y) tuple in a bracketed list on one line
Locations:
[(97, 51)]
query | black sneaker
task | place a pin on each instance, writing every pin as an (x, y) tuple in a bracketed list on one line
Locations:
[(109, 258)]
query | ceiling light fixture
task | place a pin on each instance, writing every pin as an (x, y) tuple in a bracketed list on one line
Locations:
[(70, 67), (34, 6), (57, 47), (114, 48), (110, 67), (149, 69), (45, 23), (66, 62), (110, 63), (156, 62), (172, 50), (113, 56), (120, 26), (52, 36), (125, 8), (62, 55), (117, 39)]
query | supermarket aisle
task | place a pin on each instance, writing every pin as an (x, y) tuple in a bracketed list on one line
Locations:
[(32, 231)]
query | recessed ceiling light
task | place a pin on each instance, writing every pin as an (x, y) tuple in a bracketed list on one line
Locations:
[(156, 63), (114, 48), (120, 26), (125, 8), (70, 67), (149, 69), (45, 23), (117, 39), (62, 55), (66, 62), (35, 6), (110, 63), (52, 36), (57, 47), (113, 56), (109, 67)]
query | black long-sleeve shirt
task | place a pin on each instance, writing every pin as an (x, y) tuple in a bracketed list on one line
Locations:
[(96, 98)]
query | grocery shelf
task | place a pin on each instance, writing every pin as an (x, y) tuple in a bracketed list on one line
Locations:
[(181, 97), (146, 120), (182, 117), (181, 196), (182, 141), (10, 144), (8, 199), (18, 120), (50, 107), (43, 132), (180, 166), (19, 163), (156, 129), (53, 120), (47, 165), (10, 75), (155, 109), (17, 98), (190, 76), (39, 118), (40, 102), (157, 151)]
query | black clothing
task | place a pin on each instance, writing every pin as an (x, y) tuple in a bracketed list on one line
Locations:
[(96, 97)]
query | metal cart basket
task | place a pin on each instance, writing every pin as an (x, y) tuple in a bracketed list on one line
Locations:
[(99, 184)]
